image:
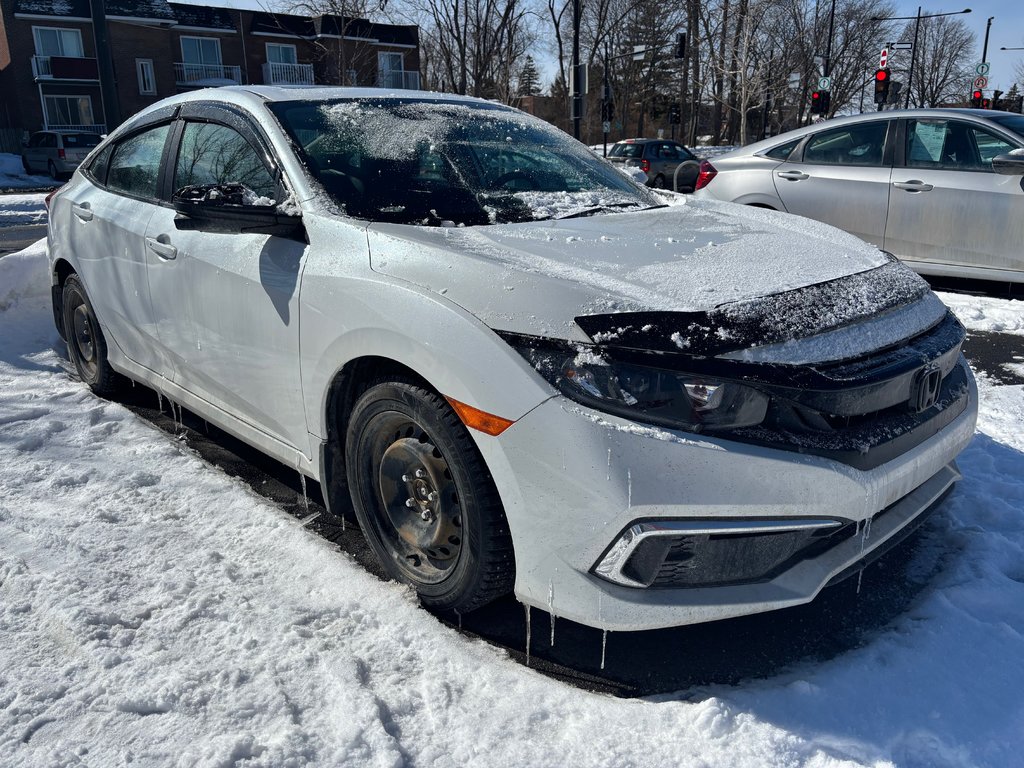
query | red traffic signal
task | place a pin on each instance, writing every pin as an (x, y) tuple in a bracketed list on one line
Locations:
[(976, 98), (882, 85), (816, 103)]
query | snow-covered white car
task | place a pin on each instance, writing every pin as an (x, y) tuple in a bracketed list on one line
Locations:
[(522, 370)]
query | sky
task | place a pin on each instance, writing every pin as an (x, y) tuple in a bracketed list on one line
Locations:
[(1007, 30)]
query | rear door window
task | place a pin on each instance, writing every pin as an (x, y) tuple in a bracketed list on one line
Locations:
[(858, 144), (135, 164)]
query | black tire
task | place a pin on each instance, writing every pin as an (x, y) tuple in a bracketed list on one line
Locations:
[(658, 182), (52, 169), (454, 548), (87, 348)]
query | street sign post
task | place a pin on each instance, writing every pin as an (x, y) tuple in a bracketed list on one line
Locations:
[(982, 68), (825, 84), (980, 83), (883, 58)]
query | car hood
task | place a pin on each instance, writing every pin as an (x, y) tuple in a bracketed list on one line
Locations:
[(693, 261)]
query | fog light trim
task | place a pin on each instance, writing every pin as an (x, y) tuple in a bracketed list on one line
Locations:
[(610, 565)]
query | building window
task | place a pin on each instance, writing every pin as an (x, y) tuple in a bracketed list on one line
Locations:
[(68, 111), (281, 53), (200, 50), (53, 41), (147, 81), (390, 70)]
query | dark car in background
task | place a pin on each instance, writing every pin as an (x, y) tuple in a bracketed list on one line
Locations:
[(659, 159), (57, 152)]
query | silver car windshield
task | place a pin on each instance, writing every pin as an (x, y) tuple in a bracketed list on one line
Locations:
[(435, 163)]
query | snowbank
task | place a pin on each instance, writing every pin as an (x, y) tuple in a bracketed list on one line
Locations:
[(154, 611), (13, 176), (22, 209), (23, 275), (985, 313)]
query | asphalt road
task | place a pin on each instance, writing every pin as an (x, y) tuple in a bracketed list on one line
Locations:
[(19, 236), (634, 663)]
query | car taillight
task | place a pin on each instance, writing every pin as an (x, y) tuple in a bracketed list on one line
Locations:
[(706, 174), (46, 200), (645, 166), (60, 153)]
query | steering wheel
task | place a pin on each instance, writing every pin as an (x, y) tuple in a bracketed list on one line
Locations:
[(516, 175)]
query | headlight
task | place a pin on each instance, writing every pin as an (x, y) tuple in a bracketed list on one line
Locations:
[(685, 401)]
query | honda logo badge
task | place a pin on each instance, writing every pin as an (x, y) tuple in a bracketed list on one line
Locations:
[(925, 390)]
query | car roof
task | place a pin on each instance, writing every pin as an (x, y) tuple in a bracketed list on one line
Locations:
[(798, 133), (256, 95)]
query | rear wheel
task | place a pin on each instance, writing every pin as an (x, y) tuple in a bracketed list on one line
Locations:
[(87, 348), (424, 498)]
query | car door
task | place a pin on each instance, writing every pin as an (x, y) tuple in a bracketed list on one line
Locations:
[(107, 218), (841, 177), (32, 152), (227, 303), (947, 208)]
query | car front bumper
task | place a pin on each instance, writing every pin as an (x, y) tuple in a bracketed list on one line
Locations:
[(574, 480)]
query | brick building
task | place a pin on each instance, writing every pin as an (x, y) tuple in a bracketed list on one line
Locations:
[(51, 65)]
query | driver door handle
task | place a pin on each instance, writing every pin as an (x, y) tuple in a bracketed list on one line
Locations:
[(83, 211), (793, 175), (912, 186), (161, 246)]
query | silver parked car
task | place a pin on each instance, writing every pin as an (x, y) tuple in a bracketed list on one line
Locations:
[(58, 153), (939, 188), (659, 159), (521, 370)]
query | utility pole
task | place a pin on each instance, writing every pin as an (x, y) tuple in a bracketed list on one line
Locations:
[(577, 98), (111, 110), (913, 58), (984, 50)]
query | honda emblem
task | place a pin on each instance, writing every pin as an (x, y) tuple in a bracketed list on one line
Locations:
[(925, 390)]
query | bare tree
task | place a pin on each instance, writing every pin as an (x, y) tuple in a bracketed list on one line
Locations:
[(942, 62)]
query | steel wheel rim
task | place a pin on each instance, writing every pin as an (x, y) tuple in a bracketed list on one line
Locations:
[(420, 518), (83, 339)]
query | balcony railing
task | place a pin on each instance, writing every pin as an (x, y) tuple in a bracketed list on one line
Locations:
[(399, 79), (186, 73), (64, 68), (100, 129), (275, 73)]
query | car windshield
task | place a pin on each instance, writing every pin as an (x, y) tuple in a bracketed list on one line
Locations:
[(81, 140), (414, 161)]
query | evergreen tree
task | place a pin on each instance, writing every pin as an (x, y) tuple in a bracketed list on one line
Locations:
[(528, 79)]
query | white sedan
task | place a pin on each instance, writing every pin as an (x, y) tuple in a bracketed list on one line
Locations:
[(520, 370)]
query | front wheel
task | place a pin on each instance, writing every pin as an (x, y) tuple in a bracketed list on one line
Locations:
[(87, 348), (425, 499)]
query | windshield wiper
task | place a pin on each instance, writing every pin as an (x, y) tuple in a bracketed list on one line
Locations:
[(607, 206)]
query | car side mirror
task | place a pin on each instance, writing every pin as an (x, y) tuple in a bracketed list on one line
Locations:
[(1010, 164), (233, 209)]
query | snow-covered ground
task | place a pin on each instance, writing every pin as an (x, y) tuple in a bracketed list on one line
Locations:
[(22, 209), (13, 176), (155, 612)]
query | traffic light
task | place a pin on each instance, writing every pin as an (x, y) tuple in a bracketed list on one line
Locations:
[(976, 99), (826, 101), (681, 45), (995, 99), (986, 104), (675, 115), (816, 103), (882, 85)]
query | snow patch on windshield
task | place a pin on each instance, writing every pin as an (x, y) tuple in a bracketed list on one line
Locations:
[(555, 205)]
